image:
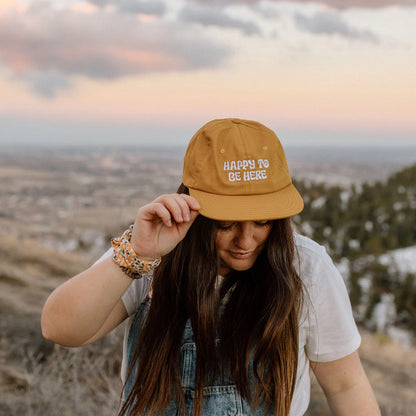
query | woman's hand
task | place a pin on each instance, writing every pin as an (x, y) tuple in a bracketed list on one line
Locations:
[(162, 224)]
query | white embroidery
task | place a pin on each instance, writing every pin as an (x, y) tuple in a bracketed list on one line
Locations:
[(255, 175), (234, 176), (239, 164), (248, 168), (263, 163)]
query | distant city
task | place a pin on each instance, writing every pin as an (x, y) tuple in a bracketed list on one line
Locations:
[(56, 194), (329, 164)]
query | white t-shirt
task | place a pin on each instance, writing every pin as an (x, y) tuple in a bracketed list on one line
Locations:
[(327, 330)]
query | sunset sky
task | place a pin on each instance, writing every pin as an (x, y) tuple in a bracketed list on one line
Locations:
[(153, 71)]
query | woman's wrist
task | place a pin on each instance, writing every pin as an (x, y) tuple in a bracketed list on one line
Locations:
[(133, 265)]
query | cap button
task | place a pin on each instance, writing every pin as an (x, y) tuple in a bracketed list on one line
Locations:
[(222, 151), (265, 147)]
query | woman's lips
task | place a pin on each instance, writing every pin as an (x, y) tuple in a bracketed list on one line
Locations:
[(241, 255)]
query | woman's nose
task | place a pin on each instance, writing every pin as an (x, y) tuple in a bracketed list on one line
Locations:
[(244, 236)]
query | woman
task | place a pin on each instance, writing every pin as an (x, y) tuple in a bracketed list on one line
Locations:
[(228, 306)]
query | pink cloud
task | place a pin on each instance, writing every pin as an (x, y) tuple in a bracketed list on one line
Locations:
[(98, 44)]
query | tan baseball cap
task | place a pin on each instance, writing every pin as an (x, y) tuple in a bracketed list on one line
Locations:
[(237, 171)]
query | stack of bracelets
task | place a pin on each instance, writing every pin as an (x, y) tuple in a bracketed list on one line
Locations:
[(124, 256)]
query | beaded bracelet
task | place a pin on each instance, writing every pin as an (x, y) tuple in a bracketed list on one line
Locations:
[(124, 256)]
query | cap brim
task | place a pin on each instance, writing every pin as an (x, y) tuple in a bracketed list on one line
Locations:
[(281, 204)]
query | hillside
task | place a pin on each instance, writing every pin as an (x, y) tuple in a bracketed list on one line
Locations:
[(58, 211), (370, 231)]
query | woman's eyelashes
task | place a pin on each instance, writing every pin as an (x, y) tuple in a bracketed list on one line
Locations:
[(225, 225), (263, 223), (228, 225)]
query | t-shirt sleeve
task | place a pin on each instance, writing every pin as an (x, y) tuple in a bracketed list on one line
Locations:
[(106, 255), (136, 293), (333, 333)]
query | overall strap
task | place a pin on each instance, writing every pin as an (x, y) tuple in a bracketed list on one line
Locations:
[(136, 325)]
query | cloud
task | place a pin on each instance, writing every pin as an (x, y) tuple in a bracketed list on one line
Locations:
[(326, 23), (46, 83), (209, 15), (371, 4), (153, 7), (342, 4), (47, 47)]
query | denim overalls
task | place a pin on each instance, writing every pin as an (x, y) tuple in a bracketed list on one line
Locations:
[(220, 399)]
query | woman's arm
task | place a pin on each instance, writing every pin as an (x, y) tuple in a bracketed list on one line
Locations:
[(346, 386), (89, 305)]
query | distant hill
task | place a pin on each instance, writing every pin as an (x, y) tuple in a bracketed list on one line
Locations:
[(360, 223)]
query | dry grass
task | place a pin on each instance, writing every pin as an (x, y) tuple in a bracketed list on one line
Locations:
[(80, 381), (392, 372), (38, 378)]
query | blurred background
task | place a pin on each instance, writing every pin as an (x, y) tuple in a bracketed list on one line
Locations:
[(98, 100)]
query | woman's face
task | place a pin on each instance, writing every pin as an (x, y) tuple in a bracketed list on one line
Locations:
[(240, 243)]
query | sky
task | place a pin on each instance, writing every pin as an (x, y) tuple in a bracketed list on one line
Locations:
[(150, 72)]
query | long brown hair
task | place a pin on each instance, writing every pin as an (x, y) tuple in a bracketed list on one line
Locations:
[(259, 320)]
